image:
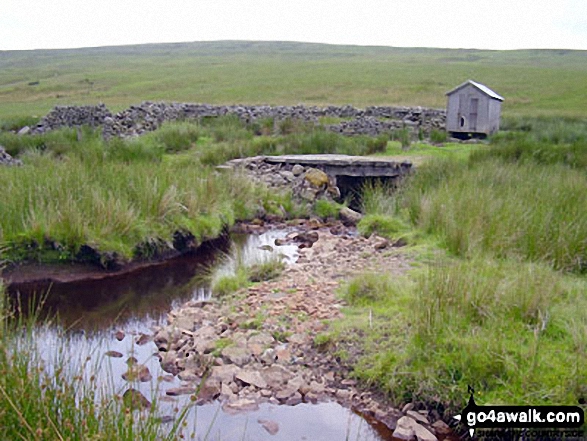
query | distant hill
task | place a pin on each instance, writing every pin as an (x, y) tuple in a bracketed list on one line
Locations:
[(534, 82)]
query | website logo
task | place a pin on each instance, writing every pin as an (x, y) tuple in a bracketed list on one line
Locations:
[(522, 417)]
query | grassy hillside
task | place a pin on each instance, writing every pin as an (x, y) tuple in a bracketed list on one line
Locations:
[(534, 82)]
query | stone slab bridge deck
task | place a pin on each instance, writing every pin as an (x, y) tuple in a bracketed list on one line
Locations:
[(345, 165)]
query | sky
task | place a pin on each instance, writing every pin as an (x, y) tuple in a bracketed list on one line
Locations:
[(480, 24)]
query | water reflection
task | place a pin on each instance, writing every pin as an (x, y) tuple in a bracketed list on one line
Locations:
[(92, 311)]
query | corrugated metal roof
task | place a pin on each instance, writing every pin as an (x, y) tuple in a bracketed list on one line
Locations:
[(486, 90)]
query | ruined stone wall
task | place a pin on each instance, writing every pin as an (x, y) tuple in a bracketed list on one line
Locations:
[(149, 116), (73, 116)]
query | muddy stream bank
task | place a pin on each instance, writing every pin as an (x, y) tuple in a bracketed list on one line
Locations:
[(159, 331)]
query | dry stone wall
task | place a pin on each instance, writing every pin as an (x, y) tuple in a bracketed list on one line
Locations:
[(149, 116), (73, 116)]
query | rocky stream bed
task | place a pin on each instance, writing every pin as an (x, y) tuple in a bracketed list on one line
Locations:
[(258, 346)]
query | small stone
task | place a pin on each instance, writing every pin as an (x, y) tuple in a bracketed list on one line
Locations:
[(252, 377), (133, 399), (266, 393), (297, 339), (284, 394), (316, 177), (184, 390), (317, 388), (237, 355), (349, 216), (405, 428), (294, 400), (144, 339), (226, 391), (119, 335), (270, 426), (343, 394), (297, 170), (296, 383), (405, 433), (209, 390), (269, 356), (283, 355), (349, 382), (240, 405), (441, 427), (381, 243), (188, 375), (225, 373), (408, 406), (417, 416), (114, 354), (261, 339), (423, 434)]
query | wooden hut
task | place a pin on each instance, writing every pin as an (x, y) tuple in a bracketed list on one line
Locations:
[(473, 110)]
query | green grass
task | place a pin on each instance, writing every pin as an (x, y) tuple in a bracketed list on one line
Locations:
[(504, 310), (117, 197), (52, 397), (534, 82), (326, 209), (520, 211), (513, 331), (239, 274)]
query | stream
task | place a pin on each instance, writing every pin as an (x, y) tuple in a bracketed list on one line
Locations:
[(97, 315)]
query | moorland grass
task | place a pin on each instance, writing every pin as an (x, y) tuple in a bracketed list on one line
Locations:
[(504, 312), (116, 197), (520, 211), (514, 331), (534, 82)]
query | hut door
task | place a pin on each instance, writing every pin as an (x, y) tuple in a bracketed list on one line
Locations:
[(473, 114), (462, 112)]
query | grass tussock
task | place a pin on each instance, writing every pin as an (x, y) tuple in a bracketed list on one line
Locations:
[(115, 196), (516, 332), (520, 211), (237, 274)]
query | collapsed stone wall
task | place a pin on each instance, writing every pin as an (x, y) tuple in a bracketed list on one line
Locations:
[(6, 159), (73, 116), (149, 116)]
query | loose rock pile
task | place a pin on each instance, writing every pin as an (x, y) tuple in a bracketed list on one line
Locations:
[(307, 183), (6, 159), (149, 116)]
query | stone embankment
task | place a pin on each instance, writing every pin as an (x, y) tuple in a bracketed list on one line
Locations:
[(260, 345), (149, 116), (307, 184)]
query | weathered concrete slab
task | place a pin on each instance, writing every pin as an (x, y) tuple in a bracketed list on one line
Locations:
[(345, 165)]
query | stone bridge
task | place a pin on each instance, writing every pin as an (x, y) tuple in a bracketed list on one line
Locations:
[(345, 165), (346, 174)]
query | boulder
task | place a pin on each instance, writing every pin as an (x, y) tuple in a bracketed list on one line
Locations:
[(350, 216), (317, 178)]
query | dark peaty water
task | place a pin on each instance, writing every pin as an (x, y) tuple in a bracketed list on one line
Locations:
[(90, 311)]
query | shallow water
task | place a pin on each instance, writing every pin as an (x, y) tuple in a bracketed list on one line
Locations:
[(91, 312)]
